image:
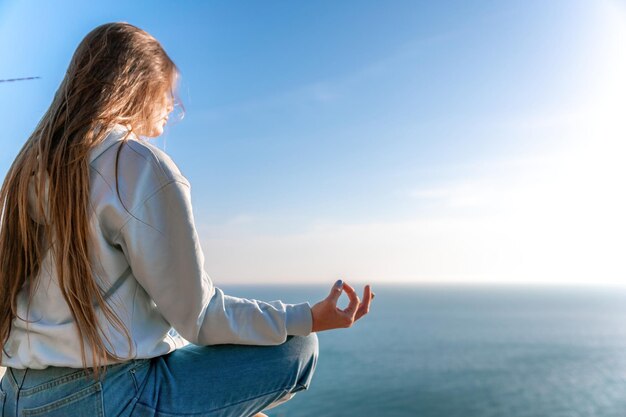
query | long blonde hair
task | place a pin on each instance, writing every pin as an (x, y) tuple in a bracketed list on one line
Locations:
[(117, 75)]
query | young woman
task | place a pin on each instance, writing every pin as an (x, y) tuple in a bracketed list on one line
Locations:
[(105, 309)]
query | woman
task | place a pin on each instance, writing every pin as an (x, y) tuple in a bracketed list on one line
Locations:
[(105, 307)]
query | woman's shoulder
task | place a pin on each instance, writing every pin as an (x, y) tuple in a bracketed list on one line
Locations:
[(124, 154), (153, 158), (125, 173)]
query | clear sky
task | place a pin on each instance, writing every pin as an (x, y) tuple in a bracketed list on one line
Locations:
[(396, 141)]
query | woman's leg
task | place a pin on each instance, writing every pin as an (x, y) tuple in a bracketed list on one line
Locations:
[(225, 380)]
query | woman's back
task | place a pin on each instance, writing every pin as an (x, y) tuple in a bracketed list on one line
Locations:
[(36, 344), (146, 253)]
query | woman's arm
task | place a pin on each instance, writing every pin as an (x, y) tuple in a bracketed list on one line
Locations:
[(162, 247)]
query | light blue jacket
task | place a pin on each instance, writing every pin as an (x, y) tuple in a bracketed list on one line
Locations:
[(147, 257)]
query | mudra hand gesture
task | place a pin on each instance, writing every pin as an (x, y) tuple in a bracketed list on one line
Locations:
[(326, 314)]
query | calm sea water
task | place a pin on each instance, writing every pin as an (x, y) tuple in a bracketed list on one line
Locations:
[(428, 351)]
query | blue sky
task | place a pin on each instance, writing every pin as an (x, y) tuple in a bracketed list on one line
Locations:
[(401, 141)]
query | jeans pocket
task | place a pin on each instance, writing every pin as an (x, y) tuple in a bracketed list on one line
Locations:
[(86, 402)]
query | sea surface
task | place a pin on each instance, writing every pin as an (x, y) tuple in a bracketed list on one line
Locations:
[(424, 350)]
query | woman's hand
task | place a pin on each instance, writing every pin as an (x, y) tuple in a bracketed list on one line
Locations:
[(326, 314)]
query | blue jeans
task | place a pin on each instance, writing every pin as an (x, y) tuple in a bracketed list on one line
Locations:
[(220, 380)]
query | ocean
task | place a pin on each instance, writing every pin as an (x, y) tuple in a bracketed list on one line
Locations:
[(433, 351)]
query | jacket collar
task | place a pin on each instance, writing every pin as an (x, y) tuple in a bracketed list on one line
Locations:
[(116, 133)]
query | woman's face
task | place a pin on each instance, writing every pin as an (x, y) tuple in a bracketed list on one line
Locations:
[(159, 117)]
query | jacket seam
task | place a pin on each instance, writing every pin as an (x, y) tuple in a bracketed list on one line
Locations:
[(157, 161), (101, 152), (139, 205)]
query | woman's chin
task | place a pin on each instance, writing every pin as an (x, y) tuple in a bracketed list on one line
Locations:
[(156, 131)]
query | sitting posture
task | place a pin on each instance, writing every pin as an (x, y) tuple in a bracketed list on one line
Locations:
[(105, 308)]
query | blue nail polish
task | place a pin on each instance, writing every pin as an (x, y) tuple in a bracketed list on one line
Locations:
[(339, 283)]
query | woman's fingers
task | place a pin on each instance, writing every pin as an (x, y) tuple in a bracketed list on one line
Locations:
[(335, 291), (326, 314), (354, 300), (364, 308)]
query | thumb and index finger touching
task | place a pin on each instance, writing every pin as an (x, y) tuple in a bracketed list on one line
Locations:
[(355, 302)]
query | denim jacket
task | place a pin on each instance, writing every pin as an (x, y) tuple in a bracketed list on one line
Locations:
[(148, 261)]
